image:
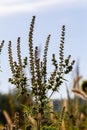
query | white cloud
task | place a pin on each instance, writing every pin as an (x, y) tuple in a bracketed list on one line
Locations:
[(15, 6), (9, 1)]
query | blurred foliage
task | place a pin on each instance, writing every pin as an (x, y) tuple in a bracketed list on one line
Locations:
[(73, 119)]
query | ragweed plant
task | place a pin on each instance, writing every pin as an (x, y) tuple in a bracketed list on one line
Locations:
[(40, 85), (1, 46), (18, 76)]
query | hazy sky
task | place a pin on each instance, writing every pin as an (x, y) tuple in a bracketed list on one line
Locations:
[(15, 18)]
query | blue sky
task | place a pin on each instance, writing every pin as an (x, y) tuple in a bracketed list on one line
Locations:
[(15, 18)]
